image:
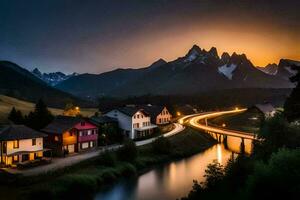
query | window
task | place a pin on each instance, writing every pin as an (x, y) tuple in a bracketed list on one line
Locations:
[(136, 125), (82, 123), (33, 142), (80, 133), (138, 116), (16, 144)]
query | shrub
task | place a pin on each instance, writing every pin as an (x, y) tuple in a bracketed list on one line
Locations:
[(161, 145), (128, 152), (128, 169), (107, 159), (77, 187)]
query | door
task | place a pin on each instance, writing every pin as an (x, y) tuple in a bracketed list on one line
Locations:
[(71, 148)]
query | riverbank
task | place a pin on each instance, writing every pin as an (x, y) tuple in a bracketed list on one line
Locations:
[(82, 180)]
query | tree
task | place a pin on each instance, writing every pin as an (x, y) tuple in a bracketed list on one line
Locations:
[(292, 104), (213, 174), (40, 117), (16, 116)]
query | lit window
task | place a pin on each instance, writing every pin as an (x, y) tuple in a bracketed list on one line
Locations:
[(56, 138), (33, 142), (16, 144)]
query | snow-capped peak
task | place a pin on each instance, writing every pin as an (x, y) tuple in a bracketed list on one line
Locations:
[(227, 70), (52, 78)]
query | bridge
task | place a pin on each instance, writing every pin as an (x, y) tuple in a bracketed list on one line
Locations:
[(199, 121)]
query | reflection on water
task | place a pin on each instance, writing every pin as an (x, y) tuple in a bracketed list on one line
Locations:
[(234, 144), (170, 181)]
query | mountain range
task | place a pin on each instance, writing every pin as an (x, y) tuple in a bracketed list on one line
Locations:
[(197, 71), (282, 70), (52, 78), (20, 83)]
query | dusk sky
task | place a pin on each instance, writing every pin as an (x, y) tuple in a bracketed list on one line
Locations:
[(98, 36)]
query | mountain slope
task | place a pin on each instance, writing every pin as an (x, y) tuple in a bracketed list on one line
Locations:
[(198, 71), (20, 83)]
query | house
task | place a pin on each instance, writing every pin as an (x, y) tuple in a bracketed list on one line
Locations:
[(134, 122), (103, 120), (20, 144), (266, 109), (70, 134), (159, 114)]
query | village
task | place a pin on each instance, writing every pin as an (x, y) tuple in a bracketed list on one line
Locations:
[(70, 134), (71, 138)]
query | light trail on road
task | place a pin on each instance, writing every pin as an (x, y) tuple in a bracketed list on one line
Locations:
[(194, 121)]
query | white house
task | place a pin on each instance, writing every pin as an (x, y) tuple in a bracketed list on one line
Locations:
[(134, 122), (19, 144)]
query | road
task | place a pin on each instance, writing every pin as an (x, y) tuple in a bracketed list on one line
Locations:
[(58, 163), (193, 120)]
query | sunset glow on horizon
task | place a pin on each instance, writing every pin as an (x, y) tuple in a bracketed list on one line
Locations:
[(85, 37)]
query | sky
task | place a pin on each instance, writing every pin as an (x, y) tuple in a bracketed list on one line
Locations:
[(88, 36)]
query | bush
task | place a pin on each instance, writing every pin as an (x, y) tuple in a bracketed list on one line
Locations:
[(77, 187), (128, 169), (107, 159), (161, 145), (128, 152), (109, 176), (277, 178)]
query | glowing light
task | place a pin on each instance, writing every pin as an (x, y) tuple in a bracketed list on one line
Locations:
[(178, 113), (77, 108), (223, 125), (236, 108)]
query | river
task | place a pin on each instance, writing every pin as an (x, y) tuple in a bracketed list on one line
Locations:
[(169, 181)]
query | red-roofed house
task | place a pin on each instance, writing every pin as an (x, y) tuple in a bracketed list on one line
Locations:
[(71, 134)]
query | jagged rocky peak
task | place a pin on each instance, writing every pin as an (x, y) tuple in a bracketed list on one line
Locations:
[(194, 49), (37, 72), (213, 51), (225, 57), (193, 53), (238, 59)]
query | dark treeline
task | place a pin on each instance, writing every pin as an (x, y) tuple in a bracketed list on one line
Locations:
[(36, 119), (273, 169), (204, 101)]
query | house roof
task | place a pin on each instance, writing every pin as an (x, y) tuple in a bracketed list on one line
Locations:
[(265, 108), (152, 110), (103, 119), (16, 132), (61, 124), (131, 110)]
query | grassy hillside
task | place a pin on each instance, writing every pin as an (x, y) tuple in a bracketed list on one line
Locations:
[(6, 104), (19, 83)]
